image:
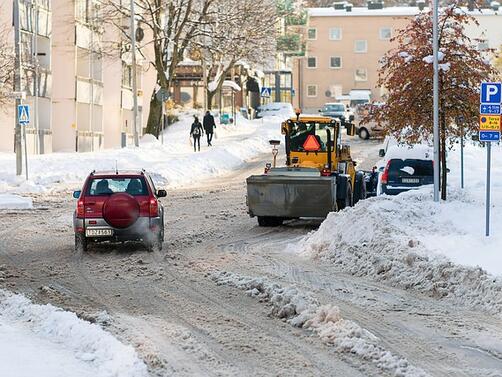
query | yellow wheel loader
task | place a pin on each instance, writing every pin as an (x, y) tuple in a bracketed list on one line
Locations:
[(319, 176)]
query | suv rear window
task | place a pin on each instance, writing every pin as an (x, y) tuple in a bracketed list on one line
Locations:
[(410, 168), (135, 186)]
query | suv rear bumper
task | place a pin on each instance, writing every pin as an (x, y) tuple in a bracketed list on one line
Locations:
[(142, 228)]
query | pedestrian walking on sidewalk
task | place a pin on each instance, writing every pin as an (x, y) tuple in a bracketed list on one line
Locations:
[(209, 126), (196, 132)]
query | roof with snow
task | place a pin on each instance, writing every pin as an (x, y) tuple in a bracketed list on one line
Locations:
[(389, 11)]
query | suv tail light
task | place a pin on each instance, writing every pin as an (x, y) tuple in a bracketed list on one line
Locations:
[(385, 175), (80, 209), (154, 207)]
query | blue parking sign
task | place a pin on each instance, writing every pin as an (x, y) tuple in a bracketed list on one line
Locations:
[(491, 93), (489, 136), (487, 109)]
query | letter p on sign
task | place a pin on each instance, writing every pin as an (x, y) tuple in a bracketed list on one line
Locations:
[(491, 92)]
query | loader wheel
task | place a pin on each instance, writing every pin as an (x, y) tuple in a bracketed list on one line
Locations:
[(359, 189), (270, 221), (348, 201)]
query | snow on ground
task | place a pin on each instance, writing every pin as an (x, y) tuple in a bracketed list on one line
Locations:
[(302, 310), (10, 201), (411, 242), (173, 164), (44, 341)]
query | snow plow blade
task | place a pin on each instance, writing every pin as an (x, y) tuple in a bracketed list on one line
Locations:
[(291, 197)]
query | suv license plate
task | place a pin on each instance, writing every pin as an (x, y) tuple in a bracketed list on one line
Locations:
[(410, 180), (98, 232)]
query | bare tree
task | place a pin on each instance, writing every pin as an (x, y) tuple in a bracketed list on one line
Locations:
[(168, 26), (236, 31), (6, 66)]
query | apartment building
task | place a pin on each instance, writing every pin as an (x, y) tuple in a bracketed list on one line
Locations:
[(92, 91), (345, 45), (84, 82), (35, 24)]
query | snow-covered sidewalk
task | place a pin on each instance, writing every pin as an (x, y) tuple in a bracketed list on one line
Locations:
[(44, 341), (411, 242), (172, 164)]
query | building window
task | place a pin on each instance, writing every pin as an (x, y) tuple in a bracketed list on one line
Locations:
[(385, 33), (312, 34), (483, 46), (311, 90), (311, 62), (335, 33), (361, 46), (361, 74), (335, 62), (126, 75)]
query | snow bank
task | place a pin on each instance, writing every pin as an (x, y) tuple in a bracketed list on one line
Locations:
[(302, 310), (45, 341), (413, 243), (9, 201), (172, 164)]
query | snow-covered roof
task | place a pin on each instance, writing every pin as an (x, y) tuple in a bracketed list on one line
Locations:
[(362, 94), (388, 11), (213, 85)]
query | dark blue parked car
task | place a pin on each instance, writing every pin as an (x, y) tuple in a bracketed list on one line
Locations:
[(403, 175)]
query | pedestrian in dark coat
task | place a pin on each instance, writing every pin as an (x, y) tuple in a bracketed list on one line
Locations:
[(196, 132), (209, 126)]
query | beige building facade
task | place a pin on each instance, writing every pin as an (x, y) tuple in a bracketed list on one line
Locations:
[(85, 100), (344, 48)]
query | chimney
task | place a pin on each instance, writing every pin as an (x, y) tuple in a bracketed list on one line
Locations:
[(348, 7), (421, 4)]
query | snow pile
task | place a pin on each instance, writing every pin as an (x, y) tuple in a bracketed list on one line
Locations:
[(46, 341), (9, 201), (172, 164), (403, 239), (302, 310)]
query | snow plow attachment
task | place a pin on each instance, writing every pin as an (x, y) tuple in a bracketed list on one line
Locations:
[(274, 198)]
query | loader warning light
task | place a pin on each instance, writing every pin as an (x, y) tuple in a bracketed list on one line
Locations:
[(311, 144)]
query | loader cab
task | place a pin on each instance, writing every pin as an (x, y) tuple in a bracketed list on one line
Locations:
[(311, 141)]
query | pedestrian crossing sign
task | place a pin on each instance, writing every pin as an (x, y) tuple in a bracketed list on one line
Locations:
[(23, 114), (266, 92)]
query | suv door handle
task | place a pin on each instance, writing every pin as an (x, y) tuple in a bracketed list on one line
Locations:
[(91, 203)]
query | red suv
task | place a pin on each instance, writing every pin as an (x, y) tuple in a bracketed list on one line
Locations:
[(119, 206)]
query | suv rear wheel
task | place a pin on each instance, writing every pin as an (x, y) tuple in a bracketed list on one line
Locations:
[(80, 243), (154, 243)]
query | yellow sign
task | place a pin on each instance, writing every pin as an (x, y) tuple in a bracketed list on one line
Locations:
[(489, 122), (74, 126)]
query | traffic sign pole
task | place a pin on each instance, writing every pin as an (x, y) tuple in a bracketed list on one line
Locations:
[(489, 131), (488, 168)]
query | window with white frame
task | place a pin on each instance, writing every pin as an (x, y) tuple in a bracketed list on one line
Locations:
[(361, 74), (360, 46), (335, 33), (385, 33), (312, 33), (335, 62), (311, 90), (311, 62)]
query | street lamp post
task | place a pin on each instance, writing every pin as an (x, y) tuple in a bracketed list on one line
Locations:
[(17, 78), (134, 78), (435, 49)]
